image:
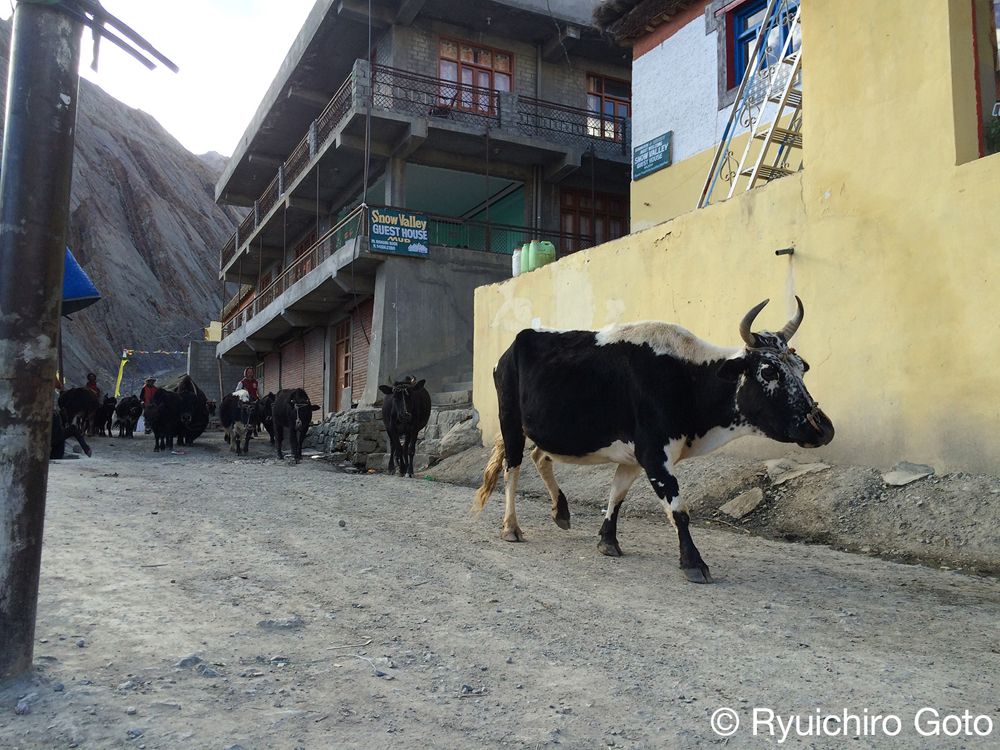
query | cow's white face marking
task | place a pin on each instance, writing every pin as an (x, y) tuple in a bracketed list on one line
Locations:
[(242, 394), (665, 339)]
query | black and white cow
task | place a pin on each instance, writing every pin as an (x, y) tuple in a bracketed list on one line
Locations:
[(292, 411), (405, 412), (644, 396)]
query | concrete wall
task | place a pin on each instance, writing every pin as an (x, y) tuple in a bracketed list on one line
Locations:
[(893, 224), (423, 316), (203, 367)]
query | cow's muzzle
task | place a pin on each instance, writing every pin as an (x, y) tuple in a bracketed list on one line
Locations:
[(818, 427)]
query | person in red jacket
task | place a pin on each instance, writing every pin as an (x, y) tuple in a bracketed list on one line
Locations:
[(146, 394), (92, 384), (249, 383)]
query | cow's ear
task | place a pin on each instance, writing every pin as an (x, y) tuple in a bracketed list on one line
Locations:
[(314, 407), (386, 389), (419, 384), (732, 369)]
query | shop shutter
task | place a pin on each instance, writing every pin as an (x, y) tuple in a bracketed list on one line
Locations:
[(272, 372), (292, 364), (361, 320), (315, 353)]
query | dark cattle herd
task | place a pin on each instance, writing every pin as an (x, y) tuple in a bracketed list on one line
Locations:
[(643, 396)]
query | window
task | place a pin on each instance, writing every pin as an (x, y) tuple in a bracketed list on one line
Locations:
[(476, 73), (590, 221), (610, 101), (743, 22)]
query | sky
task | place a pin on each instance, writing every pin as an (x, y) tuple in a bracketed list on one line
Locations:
[(228, 52)]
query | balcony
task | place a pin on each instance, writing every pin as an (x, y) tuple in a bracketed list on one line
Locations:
[(338, 269), (410, 112)]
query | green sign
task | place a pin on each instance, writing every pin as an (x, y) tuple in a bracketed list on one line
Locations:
[(398, 232), (651, 156)]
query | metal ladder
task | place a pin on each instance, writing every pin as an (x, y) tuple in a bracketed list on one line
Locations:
[(770, 149)]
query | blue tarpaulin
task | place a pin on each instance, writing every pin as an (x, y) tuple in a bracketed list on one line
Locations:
[(78, 290)]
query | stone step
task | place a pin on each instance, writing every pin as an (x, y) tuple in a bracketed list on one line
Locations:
[(451, 398), (465, 385)]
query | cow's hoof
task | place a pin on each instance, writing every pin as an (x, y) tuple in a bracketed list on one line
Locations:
[(698, 575), (562, 523), (512, 535), (611, 549)]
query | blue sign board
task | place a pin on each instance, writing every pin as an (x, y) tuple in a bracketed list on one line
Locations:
[(651, 156), (398, 232)]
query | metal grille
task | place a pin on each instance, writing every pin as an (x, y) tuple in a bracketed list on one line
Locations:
[(402, 91), (334, 112), (564, 124)]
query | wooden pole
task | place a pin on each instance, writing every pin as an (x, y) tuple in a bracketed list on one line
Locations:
[(35, 179)]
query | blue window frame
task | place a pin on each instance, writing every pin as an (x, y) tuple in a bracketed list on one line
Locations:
[(744, 23)]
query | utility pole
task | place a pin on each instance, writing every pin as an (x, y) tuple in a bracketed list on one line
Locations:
[(35, 179)]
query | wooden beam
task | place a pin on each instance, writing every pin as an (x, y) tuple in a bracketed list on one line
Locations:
[(310, 96), (408, 10), (561, 43)]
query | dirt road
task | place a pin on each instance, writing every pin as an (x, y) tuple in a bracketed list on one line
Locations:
[(337, 610)]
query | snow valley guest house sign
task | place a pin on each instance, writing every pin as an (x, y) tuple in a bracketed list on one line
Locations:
[(398, 232)]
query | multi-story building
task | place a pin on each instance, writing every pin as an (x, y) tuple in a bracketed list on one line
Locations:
[(879, 214), (395, 162)]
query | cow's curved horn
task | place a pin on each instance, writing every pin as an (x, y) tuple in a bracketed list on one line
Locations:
[(747, 321), (793, 325)]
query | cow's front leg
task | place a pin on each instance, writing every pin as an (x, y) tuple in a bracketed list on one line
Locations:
[(665, 486), (279, 438), (625, 475), (411, 450), (393, 449)]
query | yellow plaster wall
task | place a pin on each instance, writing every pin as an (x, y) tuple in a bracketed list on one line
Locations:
[(897, 259)]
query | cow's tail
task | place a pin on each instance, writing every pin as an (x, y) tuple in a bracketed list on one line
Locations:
[(490, 475)]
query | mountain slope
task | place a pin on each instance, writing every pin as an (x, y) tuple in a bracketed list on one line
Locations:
[(145, 227)]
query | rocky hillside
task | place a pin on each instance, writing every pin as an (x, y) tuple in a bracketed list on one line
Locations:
[(146, 229)]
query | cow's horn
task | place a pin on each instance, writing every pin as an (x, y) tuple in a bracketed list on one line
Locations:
[(793, 325), (747, 321)]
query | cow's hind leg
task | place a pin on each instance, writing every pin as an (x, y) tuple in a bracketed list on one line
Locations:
[(560, 508), (625, 475), (513, 442)]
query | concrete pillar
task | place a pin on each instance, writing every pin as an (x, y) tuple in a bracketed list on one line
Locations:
[(395, 183)]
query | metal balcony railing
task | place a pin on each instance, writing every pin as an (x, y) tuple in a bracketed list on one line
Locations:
[(397, 90), (564, 124), (444, 231), (402, 91)]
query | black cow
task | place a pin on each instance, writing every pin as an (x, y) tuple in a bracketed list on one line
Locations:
[(61, 433), (163, 417), (405, 411), (292, 411), (103, 416), (265, 415), (127, 414), (237, 414), (78, 406), (193, 412), (643, 396)]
